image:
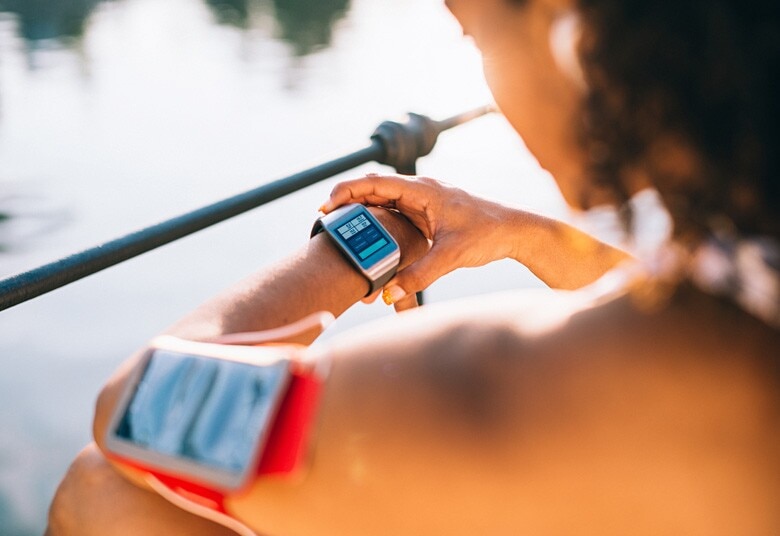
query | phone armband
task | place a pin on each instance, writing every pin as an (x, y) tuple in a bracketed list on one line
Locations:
[(205, 419)]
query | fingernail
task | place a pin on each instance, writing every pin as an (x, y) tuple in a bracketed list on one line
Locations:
[(392, 294), (326, 207)]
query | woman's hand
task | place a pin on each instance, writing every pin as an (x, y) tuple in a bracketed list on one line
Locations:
[(464, 230)]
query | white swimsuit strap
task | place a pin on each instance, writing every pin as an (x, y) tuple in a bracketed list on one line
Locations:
[(744, 270)]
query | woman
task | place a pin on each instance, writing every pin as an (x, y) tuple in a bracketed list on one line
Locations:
[(646, 403)]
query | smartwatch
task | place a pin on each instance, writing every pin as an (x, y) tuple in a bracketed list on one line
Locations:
[(363, 241)]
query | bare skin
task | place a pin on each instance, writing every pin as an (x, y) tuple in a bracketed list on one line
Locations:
[(549, 429), (317, 278), (679, 434), (647, 410), (468, 231)]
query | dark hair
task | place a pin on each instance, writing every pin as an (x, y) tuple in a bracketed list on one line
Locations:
[(682, 78)]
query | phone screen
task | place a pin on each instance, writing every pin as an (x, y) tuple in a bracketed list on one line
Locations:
[(206, 410)]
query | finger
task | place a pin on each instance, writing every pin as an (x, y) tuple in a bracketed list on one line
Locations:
[(381, 190), (362, 191), (408, 302), (419, 275), (417, 198), (428, 269)]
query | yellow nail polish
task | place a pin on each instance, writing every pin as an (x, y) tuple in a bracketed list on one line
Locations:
[(386, 297), (392, 294)]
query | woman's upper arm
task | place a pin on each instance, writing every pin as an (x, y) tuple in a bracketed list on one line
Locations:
[(412, 422)]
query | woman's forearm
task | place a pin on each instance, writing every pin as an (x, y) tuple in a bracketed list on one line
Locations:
[(562, 256), (315, 278)]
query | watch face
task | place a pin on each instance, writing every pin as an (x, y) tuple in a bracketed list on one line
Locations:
[(363, 237)]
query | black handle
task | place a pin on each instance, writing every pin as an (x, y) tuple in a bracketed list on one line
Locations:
[(395, 144)]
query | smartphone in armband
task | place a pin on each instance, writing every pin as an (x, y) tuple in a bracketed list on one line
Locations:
[(206, 419)]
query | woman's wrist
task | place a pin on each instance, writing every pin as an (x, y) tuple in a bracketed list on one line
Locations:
[(526, 235), (315, 278), (549, 248), (515, 232)]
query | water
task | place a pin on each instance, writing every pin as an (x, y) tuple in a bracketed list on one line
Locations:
[(118, 114)]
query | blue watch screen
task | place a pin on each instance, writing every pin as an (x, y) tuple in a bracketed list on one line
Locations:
[(362, 237)]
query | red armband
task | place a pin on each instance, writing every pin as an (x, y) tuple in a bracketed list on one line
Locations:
[(205, 420)]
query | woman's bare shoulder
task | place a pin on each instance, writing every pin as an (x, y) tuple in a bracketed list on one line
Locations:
[(589, 406), (526, 313), (580, 335)]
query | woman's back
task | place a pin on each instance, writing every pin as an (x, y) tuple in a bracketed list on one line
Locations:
[(630, 420)]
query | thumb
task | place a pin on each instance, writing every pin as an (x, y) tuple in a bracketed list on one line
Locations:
[(416, 277)]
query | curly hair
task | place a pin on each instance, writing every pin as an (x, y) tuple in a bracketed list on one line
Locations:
[(693, 82)]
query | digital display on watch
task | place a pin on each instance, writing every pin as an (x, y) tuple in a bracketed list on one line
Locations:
[(362, 237)]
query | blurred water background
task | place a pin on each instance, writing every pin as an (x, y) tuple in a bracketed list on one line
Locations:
[(117, 114)]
